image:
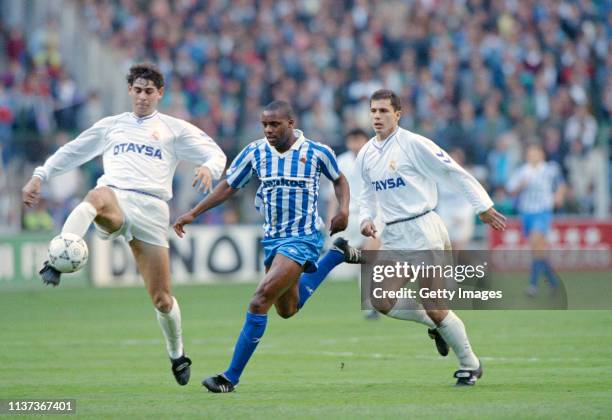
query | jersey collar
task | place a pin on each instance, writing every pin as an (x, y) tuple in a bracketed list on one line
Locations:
[(380, 144), (295, 146), (140, 120)]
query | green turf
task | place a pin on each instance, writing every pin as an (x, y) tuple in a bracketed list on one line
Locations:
[(104, 348)]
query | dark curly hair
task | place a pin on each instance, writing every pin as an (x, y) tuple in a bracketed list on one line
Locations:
[(147, 71)]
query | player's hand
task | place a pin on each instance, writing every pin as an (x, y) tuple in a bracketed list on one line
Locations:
[(493, 218), (30, 194), (204, 177), (338, 223), (179, 224), (368, 229)]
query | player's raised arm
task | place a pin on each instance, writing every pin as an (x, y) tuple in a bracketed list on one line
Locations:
[(434, 162), (89, 144)]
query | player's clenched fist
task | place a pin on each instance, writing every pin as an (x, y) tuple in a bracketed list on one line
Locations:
[(204, 177), (30, 194), (368, 228), (179, 224)]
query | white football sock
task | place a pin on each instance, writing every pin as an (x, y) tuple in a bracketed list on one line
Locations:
[(411, 310), (453, 331), (170, 324), (80, 219)]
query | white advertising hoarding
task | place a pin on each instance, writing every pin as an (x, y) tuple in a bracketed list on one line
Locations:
[(206, 254)]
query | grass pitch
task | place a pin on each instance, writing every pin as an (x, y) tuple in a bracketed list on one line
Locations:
[(104, 348)]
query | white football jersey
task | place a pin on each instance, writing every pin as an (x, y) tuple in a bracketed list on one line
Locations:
[(400, 174), (138, 153)]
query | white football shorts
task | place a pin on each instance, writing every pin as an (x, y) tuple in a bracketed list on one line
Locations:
[(423, 233), (146, 218)]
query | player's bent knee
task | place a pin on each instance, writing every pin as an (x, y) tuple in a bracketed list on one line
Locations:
[(99, 198), (437, 315), (162, 302)]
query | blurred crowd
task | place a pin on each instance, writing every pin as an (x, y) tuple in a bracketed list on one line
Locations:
[(485, 76)]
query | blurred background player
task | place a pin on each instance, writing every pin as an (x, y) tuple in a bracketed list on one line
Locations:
[(399, 173), (455, 210), (355, 140), (289, 167), (140, 151), (540, 188)]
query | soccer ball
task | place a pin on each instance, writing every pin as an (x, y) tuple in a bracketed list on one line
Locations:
[(68, 253)]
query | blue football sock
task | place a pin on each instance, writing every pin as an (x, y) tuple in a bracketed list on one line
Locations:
[(536, 268), (310, 281), (550, 274), (252, 331)]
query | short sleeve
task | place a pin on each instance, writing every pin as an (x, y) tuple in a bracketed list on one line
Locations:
[(327, 162), (241, 169)]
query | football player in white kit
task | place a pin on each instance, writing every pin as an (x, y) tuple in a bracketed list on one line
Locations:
[(399, 173), (140, 150)]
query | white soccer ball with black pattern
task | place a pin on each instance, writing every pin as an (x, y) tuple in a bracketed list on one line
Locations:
[(68, 253)]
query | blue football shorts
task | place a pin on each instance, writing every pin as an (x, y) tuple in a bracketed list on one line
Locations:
[(304, 250), (536, 222)]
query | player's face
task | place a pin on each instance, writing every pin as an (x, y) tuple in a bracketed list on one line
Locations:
[(145, 96), (384, 118), (535, 155), (277, 128)]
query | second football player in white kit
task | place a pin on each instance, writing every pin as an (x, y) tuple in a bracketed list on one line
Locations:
[(399, 171)]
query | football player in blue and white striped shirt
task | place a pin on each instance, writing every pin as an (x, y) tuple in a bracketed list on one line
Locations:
[(289, 167), (540, 187)]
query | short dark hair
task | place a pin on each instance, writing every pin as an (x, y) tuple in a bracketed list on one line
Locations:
[(357, 132), (282, 107), (387, 94), (148, 71)]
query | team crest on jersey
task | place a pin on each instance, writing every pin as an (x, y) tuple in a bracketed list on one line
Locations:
[(393, 165), (303, 158)]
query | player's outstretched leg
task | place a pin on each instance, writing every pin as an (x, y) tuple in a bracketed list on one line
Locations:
[(281, 277), (252, 332), (452, 330), (78, 222), (341, 252), (99, 203)]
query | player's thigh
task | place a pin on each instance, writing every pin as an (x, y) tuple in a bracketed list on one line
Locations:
[(282, 275), (109, 215), (153, 263)]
